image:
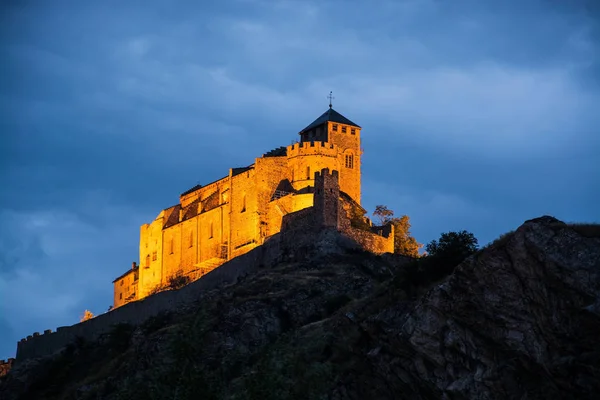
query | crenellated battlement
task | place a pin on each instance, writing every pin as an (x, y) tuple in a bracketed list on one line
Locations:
[(324, 173), (37, 334), (312, 148)]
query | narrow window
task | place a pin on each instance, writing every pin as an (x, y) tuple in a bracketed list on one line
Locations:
[(210, 232), (308, 172), (148, 260), (171, 246), (353, 131), (154, 257), (335, 127), (343, 129), (243, 203), (120, 296), (191, 239), (349, 161), (122, 281)]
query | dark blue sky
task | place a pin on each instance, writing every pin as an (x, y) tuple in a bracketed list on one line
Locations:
[(476, 115)]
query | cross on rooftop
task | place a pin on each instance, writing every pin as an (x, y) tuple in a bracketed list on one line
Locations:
[(330, 97)]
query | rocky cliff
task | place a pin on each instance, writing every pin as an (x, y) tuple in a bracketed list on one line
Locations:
[(520, 319)]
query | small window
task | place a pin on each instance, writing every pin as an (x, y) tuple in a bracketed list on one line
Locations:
[(243, 204), (349, 161), (122, 281), (191, 239), (148, 260), (335, 127), (343, 129), (308, 172), (171, 246), (353, 131), (154, 256), (210, 231), (120, 296)]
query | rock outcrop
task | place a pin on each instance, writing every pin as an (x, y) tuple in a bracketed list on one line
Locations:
[(516, 320), (519, 319)]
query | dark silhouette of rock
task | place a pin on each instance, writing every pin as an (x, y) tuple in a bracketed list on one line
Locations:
[(520, 319)]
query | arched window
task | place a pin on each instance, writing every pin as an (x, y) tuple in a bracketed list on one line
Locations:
[(349, 161)]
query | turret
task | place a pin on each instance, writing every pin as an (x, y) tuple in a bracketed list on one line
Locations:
[(327, 194), (342, 134)]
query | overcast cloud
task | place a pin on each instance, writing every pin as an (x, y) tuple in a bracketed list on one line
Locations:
[(476, 115)]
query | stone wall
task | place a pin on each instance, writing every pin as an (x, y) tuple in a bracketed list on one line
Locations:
[(327, 195), (135, 313), (126, 286), (306, 158), (371, 241), (305, 233), (348, 144), (301, 241)]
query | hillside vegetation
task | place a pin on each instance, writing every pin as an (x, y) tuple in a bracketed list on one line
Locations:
[(518, 319)]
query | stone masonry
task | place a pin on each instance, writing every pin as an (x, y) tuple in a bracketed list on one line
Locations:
[(224, 219)]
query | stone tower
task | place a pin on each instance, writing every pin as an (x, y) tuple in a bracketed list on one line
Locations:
[(342, 135), (327, 194)]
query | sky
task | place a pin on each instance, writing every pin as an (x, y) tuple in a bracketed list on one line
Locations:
[(476, 115)]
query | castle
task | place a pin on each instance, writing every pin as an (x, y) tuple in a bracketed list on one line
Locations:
[(316, 180), (292, 202)]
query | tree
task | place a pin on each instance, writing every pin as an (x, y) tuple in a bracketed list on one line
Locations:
[(453, 246), (86, 316), (357, 218), (404, 243), (383, 214)]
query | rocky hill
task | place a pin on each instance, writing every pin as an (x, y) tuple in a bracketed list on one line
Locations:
[(520, 319)]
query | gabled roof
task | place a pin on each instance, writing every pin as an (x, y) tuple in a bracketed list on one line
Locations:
[(126, 273), (330, 115)]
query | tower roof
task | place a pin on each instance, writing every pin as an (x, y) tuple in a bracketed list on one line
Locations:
[(330, 115)]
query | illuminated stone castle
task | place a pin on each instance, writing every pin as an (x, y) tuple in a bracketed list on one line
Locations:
[(226, 218)]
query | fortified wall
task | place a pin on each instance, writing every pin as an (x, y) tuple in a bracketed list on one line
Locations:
[(323, 228), (223, 219)]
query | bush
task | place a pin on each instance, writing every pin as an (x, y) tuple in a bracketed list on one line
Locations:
[(453, 246), (178, 281), (87, 315)]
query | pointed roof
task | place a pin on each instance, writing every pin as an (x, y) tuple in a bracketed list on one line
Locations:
[(330, 115)]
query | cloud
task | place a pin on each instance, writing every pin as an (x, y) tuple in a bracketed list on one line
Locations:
[(498, 112), (56, 263), (476, 115)]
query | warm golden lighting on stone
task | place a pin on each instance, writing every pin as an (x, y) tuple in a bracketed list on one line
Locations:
[(221, 220)]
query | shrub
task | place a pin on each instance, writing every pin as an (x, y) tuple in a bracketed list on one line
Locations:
[(178, 281), (87, 315), (453, 245)]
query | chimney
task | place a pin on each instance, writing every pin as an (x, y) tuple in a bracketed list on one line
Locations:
[(133, 266)]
